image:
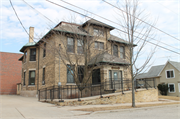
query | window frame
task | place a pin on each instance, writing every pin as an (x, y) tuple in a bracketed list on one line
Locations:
[(69, 46), (114, 51), (169, 87), (25, 56), (80, 47), (80, 73), (99, 78), (68, 80), (43, 76), (44, 50), (98, 32), (32, 78), (32, 56), (122, 54), (98, 45), (170, 73)]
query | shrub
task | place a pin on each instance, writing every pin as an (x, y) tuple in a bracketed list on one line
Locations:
[(163, 88)]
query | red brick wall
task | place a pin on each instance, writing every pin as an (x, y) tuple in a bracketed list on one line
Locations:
[(10, 72)]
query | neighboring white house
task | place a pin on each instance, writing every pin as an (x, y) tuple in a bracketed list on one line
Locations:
[(168, 74)]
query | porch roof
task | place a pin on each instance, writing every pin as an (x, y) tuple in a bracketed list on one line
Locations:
[(108, 58)]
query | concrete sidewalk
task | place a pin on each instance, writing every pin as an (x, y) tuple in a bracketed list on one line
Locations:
[(17, 107)]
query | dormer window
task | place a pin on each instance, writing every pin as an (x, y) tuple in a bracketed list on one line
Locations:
[(98, 32)]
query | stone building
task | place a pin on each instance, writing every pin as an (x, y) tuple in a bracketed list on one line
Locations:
[(44, 65)]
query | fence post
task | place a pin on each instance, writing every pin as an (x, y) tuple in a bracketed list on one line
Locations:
[(145, 84), (122, 86), (100, 91), (91, 90), (39, 95), (71, 91), (154, 83), (78, 95), (46, 94), (61, 94), (136, 85)]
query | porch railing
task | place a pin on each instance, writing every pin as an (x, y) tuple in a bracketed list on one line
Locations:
[(86, 90)]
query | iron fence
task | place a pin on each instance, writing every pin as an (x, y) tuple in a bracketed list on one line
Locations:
[(87, 90)]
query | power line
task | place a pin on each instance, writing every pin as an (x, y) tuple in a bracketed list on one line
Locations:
[(114, 22), (37, 11), (142, 21), (116, 28), (19, 19), (167, 8)]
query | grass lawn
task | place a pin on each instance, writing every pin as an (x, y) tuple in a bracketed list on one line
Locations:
[(170, 98), (128, 107)]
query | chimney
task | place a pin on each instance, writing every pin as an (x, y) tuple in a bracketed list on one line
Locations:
[(31, 34)]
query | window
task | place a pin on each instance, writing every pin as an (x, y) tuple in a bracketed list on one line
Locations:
[(70, 45), (115, 50), (43, 77), (171, 87), (25, 56), (99, 45), (33, 54), (96, 78), (80, 73), (32, 77), (122, 52), (170, 74), (98, 32), (44, 50), (24, 81), (70, 72), (80, 44)]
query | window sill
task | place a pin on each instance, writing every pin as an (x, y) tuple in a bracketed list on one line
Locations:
[(32, 61), (96, 84), (31, 85), (171, 78), (172, 92), (70, 83)]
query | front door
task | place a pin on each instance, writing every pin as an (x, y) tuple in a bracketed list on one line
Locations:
[(116, 79)]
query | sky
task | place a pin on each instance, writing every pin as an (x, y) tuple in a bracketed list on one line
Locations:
[(166, 13)]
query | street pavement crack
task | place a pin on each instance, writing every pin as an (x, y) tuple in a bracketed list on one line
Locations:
[(20, 113)]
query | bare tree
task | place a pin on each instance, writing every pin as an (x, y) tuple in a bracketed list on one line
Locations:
[(131, 20), (77, 48)]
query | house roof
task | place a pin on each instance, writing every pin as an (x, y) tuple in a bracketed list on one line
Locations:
[(119, 40), (98, 23), (175, 64), (27, 45), (107, 58), (153, 72), (70, 28)]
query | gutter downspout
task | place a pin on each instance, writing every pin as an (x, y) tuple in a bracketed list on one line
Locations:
[(38, 72)]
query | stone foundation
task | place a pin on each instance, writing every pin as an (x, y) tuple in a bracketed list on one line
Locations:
[(142, 95), (32, 93)]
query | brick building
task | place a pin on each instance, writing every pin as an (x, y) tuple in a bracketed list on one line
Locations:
[(10, 72), (42, 67)]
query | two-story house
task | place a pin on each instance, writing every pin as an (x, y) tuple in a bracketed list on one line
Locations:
[(52, 59), (164, 74)]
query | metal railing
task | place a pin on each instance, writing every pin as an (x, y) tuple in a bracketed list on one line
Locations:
[(87, 90)]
